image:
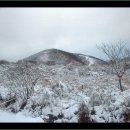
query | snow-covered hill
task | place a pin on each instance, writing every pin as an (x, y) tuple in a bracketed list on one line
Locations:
[(55, 56)]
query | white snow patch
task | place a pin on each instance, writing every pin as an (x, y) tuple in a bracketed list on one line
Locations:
[(91, 61), (19, 117)]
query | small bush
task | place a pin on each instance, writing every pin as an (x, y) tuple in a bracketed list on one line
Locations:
[(10, 102), (51, 118), (95, 99), (84, 114), (60, 116), (126, 102), (93, 112), (126, 116), (23, 105)]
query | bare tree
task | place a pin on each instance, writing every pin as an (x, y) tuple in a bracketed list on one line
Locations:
[(21, 80), (28, 77), (118, 55)]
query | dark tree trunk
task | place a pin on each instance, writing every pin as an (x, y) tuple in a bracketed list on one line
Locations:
[(121, 87)]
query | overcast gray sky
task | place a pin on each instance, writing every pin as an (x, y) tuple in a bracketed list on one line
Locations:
[(26, 31)]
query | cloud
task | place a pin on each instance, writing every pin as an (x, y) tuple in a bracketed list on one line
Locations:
[(25, 31)]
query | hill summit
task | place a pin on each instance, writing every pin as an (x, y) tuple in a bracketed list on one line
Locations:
[(60, 57)]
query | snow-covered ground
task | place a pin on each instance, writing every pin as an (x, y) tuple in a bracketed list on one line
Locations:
[(19, 117), (59, 93)]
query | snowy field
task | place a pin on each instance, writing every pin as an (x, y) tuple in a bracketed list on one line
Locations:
[(10, 117), (60, 94)]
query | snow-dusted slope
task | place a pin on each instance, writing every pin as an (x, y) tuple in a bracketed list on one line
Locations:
[(90, 60), (55, 56)]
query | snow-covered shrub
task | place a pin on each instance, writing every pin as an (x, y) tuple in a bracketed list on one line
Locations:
[(105, 114), (95, 99), (40, 100), (17, 106), (103, 96), (126, 115), (93, 112), (61, 90), (20, 95), (4, 93), (50, 118), (126, 102), (6, 97), (84, 114)]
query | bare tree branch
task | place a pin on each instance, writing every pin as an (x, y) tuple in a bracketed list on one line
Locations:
[(118, 55)]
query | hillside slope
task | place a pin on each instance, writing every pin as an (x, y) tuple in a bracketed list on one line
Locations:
[(55, 56)]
